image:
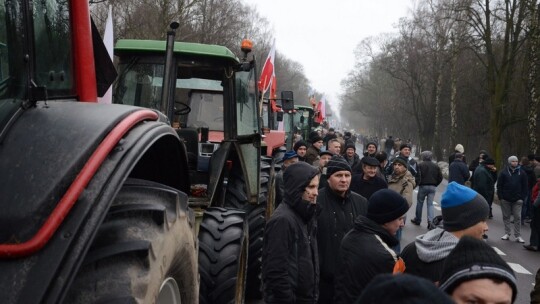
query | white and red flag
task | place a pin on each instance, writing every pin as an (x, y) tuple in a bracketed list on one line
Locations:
[(268, 72), (321, 111)]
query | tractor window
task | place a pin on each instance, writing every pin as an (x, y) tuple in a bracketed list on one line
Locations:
[(13, 70), (206, 110), (53, 47), (246, 103), (140, 85)]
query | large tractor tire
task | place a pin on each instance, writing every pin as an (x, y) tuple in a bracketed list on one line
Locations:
[(223, 250), (145, 251), (237, 198)]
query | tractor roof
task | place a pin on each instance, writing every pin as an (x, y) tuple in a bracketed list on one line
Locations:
[(180, 48)]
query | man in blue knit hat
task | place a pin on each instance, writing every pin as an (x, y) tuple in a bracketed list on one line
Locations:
[(464, 212)]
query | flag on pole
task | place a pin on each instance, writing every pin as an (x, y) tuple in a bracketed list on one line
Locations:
[(320, 111), (273, 95), (268, 70), (108, 40)]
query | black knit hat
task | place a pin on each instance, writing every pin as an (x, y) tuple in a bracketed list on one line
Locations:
[(372, 143), (385, 206), (299, 144), (403, 289), (489, 161), (462, 207), (316, 138), (400, 160), (350, 145), (337, 163), (474, 259)]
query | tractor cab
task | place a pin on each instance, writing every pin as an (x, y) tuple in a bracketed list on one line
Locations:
[(213, 106)]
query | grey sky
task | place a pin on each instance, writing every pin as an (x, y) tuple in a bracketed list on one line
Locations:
[(322, 34)]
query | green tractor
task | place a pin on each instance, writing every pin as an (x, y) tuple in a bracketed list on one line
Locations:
[(300, 121), (210, 98)]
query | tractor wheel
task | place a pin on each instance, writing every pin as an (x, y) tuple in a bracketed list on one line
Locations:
[(223, 250), (237, 198), (145, 251)]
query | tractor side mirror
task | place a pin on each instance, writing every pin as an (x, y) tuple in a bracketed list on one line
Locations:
[(287, 101)]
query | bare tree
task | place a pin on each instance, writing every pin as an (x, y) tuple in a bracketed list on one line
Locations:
[(497, 33), (533, 81)]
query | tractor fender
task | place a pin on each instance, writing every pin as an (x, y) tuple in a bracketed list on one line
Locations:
[(42, 155)]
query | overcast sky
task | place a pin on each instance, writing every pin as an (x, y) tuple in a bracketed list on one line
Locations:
[(322, 34)]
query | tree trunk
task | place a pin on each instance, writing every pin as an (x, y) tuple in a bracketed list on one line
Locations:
[(453, 94), (436, 134), (532, 84)]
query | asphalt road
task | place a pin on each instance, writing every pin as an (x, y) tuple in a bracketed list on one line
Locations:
[(524, 263)]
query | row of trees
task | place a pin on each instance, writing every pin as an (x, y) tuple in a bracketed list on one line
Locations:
[(222, 22), (458, 71)]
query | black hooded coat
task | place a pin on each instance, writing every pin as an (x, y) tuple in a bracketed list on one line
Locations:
[(364, 253), (290, 268)]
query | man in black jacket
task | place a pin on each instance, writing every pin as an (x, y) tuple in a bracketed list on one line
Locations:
[(458, 171), (366, 250), (512, 191), (339, 208), (430, 178), (290, 269), (485, 176)]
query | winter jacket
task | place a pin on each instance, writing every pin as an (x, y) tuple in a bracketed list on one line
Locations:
[(367, 187), (484, 183), (280, 189), (290, 268), (531, 178), (412, 166), (403, 185), (335, 220), (458, 172), (312, 155), (452, 157), (430, 174), (425, 256), (512, 184), (364, 253)]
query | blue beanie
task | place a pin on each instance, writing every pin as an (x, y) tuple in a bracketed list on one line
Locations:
[(289, 155), (462, 207)]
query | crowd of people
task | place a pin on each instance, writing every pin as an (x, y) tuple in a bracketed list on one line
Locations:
[(335, 235)]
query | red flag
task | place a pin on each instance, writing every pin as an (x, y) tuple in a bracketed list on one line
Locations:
[(273, 95), (273, 87), (320, 111), (267, 70)]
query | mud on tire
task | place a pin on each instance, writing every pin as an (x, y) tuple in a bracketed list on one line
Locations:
[(147, 238)]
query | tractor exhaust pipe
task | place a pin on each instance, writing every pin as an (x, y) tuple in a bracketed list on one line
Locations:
[(169, 77)]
